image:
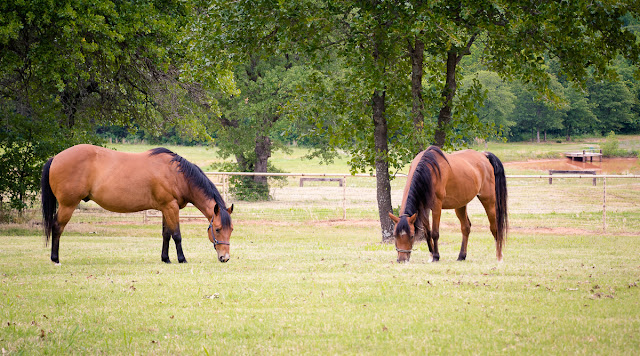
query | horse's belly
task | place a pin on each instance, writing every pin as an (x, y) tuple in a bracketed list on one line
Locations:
[(457, 198), (455, 203), (122, 205), (124, 198)]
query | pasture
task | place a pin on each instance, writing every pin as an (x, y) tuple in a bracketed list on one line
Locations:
[(326, 286)]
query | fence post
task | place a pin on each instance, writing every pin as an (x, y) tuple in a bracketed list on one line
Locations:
[(604, 204), (344, 198), (225, 187)]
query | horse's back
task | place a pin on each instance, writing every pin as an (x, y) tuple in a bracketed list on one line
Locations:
[(470, 174), (117, 181)]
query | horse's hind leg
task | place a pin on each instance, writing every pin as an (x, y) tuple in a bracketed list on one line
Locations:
[(489, 205), (62, 218), (465, 226)]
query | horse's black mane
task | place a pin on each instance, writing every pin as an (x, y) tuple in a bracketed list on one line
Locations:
[(421, 192), (196, 176)]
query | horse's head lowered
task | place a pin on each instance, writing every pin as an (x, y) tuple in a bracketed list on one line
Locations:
[(404, 235), (220, 229)]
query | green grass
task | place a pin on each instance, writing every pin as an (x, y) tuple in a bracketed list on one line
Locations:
[(305, 285), (519, 151), (327, 288)]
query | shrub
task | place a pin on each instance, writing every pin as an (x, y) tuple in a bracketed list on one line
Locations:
[(611, 146), (245, 187)]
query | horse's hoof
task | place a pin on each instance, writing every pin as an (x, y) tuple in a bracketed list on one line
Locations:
[(183, 261), (462, 257), (166, 260)]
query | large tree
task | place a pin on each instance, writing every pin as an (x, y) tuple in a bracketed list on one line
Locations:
[(380, 42), (612, 104), (255, 42), (67, 66), (517, 39), (535, 114), (253, 121), (360, 105)]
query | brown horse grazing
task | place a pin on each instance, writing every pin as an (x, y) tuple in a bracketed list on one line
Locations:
[(439, 181), (129, 182)]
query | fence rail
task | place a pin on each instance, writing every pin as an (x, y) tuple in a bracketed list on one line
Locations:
[(571, 202)]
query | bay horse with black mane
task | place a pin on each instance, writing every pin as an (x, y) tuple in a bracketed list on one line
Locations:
[(129, 182), (439, 181)]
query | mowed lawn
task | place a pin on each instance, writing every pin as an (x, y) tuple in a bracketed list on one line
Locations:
[(321, 288), (331, 287)]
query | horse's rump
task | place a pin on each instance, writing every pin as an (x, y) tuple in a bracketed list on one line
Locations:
[(117, 181)]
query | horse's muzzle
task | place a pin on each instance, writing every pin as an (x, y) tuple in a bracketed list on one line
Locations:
[(223, 258)]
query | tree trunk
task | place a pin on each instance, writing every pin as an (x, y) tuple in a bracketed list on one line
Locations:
[(383, 187), (263, 152), (537, 135), (449, 91), (417, 111)]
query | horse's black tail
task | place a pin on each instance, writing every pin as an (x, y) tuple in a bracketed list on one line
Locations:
[(49, 201), (502, 221)]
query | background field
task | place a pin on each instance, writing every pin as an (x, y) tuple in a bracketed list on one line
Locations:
[(325, 286)]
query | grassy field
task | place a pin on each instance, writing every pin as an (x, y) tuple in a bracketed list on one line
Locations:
[(327, 288), (330, 287)]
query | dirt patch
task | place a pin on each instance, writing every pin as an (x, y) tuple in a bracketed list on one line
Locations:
[(607, 166)]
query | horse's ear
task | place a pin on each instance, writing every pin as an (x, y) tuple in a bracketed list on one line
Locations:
[(230, 210), (394, 218), (216, 210), (412, 218)]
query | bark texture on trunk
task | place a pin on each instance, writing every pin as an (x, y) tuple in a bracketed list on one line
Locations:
[(448, 93), (417, 110), (445, 116), (383, 187), (263, 152)]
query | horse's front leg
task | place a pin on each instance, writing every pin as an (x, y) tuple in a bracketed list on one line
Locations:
[(435, 231), (426, 225), (177, 238), (171, 229), (166, 238)]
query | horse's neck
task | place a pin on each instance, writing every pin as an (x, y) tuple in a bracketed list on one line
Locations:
[(203, 203)]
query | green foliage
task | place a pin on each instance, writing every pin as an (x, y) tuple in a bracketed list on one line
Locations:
[(69, 67), (25, 144), (611, 147), (614, 104), (497, 106), (246, 188), (536, 114)]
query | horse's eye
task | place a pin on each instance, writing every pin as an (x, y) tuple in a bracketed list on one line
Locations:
[(217, 231)]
